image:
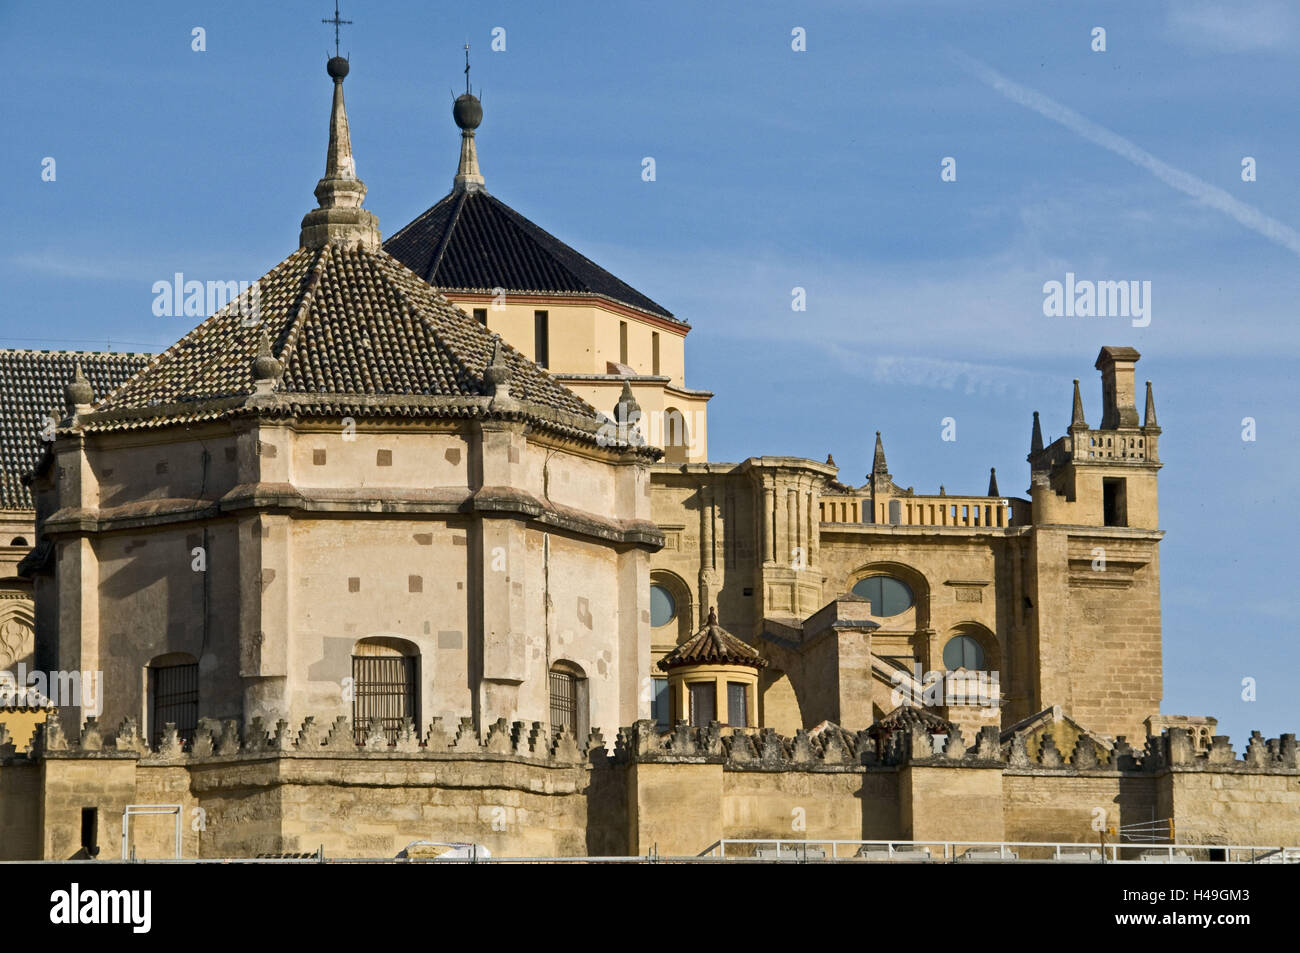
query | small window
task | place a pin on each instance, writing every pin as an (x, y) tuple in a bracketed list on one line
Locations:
[(704, 703), (622, 342), (541, 338), (659, 709), (888, 596), (18, 541), (654, 353), (1114, 502), (663, 607), (480, 315), (738, 704), (962, 651)]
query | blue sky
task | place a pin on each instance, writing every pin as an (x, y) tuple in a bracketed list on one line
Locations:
[(774, 169)]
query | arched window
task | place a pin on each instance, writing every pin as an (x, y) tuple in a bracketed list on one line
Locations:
[(173, 696), (19, 541), (663, 607), (385, 685), (963, 651), (677, 440), (888, 596), (568, 685)]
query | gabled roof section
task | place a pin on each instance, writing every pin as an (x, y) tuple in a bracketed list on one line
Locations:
[(712, 645), (31, 391), (471, 241)]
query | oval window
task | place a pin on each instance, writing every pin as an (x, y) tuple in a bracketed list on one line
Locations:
[(887, 595), (962, 651), (663, 607)]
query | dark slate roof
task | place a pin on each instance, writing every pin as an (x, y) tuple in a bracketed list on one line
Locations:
[(31, 387), (355, 332), (712, 645), (472, 241)]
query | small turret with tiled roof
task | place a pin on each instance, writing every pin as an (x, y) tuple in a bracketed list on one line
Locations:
[(712, 645)]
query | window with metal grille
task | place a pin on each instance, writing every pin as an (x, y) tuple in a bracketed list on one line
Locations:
[(384, 687), (704, 703), (564, 702), (738, 704), (175, 693)]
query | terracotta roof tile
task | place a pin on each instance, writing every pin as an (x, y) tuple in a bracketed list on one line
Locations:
[(712, 645), (31, 386)]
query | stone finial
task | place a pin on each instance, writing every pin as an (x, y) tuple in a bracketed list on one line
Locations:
[(256, 737), (267, 371), (92, 737), (376, 737), (128, 737), (497, 373), (1076, 412), (467, 736), (311, 737), (78, 395), (170, 746), (53, 738), (204, 744), (830, 461), (993, 482), (987, 746), (741, 748), (467, 111), (407, 740), (801, 751), (834, 750), (771, 750), (1149, 418), (339, 217), (1036, 438), (1019, 750)]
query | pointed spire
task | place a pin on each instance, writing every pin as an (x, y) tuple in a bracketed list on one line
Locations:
[(993, 482), (627, 410), (339, 217), (878, 461), (1036, 440), (1149, 420), (468, 113), (78, 393), (1076, 414)]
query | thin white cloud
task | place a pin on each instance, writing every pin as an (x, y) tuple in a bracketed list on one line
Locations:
[(1224, 26), (1211, 195)]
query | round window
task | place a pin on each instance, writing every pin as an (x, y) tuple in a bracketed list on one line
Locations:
[(663, 607), (962, 651), (887, 595)]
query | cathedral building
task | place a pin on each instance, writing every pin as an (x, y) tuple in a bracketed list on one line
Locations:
[(446, 500)]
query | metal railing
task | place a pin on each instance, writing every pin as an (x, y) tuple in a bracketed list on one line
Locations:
[(947, 852)]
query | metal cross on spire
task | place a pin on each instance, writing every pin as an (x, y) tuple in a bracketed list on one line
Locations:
[(466, 67), (337, 23)]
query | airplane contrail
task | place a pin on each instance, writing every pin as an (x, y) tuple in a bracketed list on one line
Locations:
[(1213, 196)]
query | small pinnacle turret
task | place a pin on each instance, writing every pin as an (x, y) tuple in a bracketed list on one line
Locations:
[(1036, 439), (993, 482), (878, 465), (1076, 412), (339, 217), (1149, 418)]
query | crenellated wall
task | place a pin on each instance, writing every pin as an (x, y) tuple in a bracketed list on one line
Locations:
[(274, 789)]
